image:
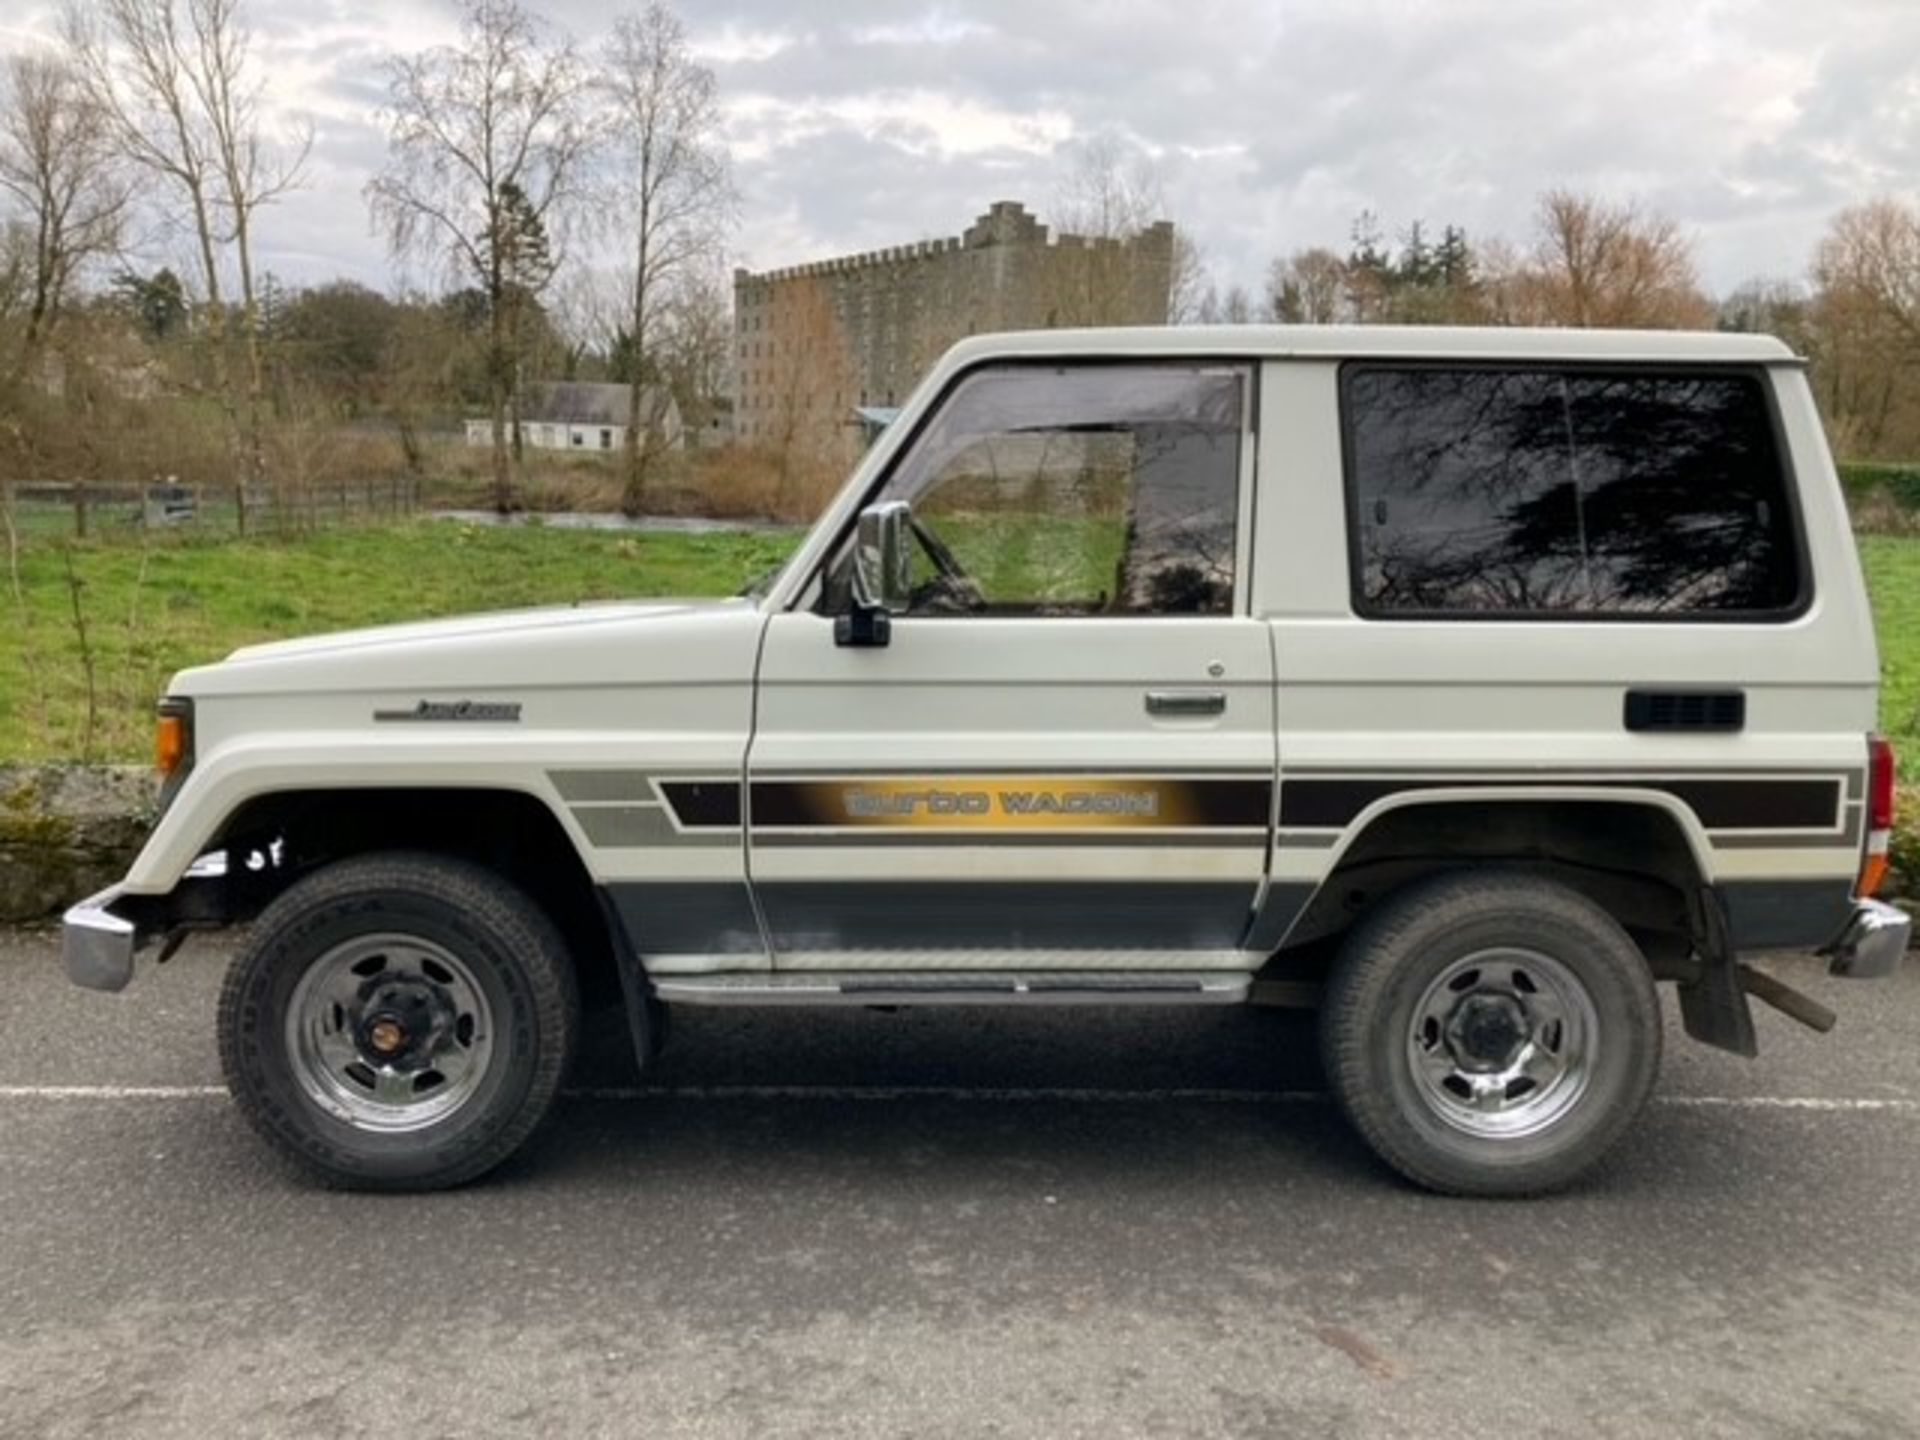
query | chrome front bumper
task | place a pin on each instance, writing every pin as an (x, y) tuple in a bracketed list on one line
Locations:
[(97, 944), (1873, 942)]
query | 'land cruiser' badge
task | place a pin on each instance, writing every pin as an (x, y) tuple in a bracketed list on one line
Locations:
[(497, 712)]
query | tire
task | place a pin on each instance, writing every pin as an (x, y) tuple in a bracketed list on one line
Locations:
[(1490, 1033), (457, 973)]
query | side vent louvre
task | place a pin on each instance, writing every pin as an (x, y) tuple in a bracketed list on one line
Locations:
[(1709, 711)]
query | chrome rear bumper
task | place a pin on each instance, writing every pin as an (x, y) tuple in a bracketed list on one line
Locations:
[(1872, 943), (97, 944)]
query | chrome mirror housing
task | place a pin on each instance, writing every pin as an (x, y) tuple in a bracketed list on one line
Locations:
[(881, 585), (882, 556)]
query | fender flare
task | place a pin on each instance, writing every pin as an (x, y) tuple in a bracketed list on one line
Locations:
[(1699, 848)]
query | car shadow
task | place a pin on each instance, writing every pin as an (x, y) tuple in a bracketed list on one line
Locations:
[(1080, 1093)]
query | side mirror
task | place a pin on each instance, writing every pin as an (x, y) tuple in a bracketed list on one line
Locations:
[(881, 585)]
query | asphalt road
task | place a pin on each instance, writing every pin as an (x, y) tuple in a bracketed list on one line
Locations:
[(952, 1224)]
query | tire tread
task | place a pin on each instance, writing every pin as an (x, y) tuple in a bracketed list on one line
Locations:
[(1373, 957), (485, 901)]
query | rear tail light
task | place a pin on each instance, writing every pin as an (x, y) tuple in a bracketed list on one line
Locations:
[(1880, 790)]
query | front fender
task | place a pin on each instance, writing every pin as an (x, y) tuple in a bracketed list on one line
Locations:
[(248, 769)]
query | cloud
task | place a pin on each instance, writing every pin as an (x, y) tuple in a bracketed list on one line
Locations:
[(871, 122)]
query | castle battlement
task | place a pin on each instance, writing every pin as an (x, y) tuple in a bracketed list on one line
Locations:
[(819, 343), (1006, 223)]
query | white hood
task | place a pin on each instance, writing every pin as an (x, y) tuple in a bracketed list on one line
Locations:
[(500, 624), (512, 653)]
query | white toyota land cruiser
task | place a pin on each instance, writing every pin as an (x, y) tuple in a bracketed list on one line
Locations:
[(1461, 683)]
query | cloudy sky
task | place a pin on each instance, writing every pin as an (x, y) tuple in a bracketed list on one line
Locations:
[(861, 123)]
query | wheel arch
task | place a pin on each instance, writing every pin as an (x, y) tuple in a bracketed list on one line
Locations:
[(1641, 854), (273, 837)]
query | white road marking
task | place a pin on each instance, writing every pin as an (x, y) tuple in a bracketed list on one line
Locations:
[(1789, 1102), (1055, 1093), (111, 1092)]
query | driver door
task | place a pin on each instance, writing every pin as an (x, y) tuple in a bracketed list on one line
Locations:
[(1065, 756)]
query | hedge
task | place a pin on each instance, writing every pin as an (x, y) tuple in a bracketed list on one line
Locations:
[(1867, 480)]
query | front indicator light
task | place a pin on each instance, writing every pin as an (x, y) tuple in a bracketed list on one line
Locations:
[(169, 744)]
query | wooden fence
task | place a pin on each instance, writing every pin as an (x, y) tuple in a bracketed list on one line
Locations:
[(48, 509)]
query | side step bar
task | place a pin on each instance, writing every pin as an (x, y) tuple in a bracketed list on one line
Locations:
[(1123, 987)]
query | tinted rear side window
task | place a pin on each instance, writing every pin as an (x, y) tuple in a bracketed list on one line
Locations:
[(1563, 492)]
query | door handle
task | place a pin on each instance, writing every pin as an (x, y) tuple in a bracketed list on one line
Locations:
[(1186, 702)]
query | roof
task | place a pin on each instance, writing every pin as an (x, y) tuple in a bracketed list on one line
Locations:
[(581, 402), (1447, 342)]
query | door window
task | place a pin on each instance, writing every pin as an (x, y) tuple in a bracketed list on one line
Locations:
[(1087, 490)]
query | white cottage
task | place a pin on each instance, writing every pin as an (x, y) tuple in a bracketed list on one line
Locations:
[(579, 415)]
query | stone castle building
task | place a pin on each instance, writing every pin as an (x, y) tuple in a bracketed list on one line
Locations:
[(823, 351)]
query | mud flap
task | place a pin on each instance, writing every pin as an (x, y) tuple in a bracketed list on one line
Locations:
[(1713, 1002), (646, 1016)]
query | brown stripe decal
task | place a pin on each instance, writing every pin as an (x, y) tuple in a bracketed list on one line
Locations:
[(1012, 803), (1755, 804), (704, 802)]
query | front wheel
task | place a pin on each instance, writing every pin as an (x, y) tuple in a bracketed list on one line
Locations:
[(398, 1022), (1491, 1034)]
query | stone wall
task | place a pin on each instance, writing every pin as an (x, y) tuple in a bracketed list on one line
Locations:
[(67, 831)]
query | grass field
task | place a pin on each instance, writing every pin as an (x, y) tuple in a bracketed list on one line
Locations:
[(1893, 579), (150, 610)]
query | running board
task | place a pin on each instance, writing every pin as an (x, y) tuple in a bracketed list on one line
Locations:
[(1121, 987)]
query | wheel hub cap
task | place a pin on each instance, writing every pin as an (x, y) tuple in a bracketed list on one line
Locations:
[(389, 1033), (1501, 1043), (1487, 1031)]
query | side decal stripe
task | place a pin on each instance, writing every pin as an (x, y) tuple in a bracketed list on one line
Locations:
[(989, 804), (601, 785), (703, 802), (1753, 804)]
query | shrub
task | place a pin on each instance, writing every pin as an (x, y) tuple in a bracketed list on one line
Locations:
[(1882, 498), (1904, 880)]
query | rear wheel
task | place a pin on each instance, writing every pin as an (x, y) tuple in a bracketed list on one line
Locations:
[(398, 1022), (1491, 1034)]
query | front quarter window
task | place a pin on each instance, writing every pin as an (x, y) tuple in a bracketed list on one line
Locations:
[(1085, 490)]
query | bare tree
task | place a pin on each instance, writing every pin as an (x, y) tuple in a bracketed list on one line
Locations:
[(250, 173), (132, 53), (1873, 250), (56, 161), (1607, 265), (16, 265), (485, 140), (1111, 190), (674, 188), (1308, 287), (697, 341), (1113, 197), (1865, 327), (171, 82), (1237, 306), (808, 430), (1188, 282)]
